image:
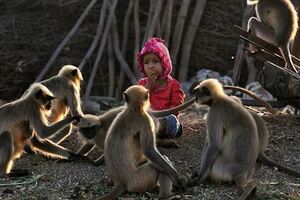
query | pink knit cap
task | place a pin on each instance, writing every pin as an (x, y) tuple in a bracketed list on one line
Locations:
[(156, 46)]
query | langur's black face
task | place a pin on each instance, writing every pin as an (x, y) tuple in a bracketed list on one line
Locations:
[(76, 76), (44, 99), (203, 95), (48, 102), (89, 132)]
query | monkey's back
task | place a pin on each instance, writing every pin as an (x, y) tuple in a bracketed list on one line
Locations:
[(108, 117), (281, 16), (16, 112), (262, 130), (239, 133), (122, 144), (57, 86), (106, 120)]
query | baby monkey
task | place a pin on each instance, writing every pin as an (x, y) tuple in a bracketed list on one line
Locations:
[(276, 23)]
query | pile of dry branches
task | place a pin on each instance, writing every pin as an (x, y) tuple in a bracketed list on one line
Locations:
[(103, 37)]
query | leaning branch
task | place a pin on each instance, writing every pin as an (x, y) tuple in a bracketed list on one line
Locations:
[(97, 36), (66, 39), (101, 48)]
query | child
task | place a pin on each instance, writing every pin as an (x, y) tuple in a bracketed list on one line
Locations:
[(155, 64)]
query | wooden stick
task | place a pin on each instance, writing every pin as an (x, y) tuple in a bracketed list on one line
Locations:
[(111, 67), (149, 19), (124, 42), (137, 34), (65, 40), (97, 36), (189, 40), (155, 19), (101, 48), (166, 24), (178, 30), (122, 61)]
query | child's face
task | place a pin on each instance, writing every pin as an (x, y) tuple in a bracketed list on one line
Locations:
[(152, 65)]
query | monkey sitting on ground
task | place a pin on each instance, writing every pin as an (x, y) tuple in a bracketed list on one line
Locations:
[(24, 118), (263, 133), (130, 138), (66, 88), (93, 129), (263, 136), (231, 149), (276, 23)]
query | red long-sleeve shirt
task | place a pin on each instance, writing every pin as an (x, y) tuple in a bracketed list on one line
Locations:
[(167, 96)]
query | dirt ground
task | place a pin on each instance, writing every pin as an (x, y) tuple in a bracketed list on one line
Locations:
[(81, 180)]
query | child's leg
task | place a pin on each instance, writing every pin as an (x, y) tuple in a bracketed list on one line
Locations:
[(169, 127)]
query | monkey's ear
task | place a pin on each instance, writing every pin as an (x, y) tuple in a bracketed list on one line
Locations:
[(50, 97), (39, 94), (126, 97), (147, 95), (74, 72)]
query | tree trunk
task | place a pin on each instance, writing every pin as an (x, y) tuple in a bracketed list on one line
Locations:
[(167, 20), (124, 42), (155, 18), (137, 36), (178, 30), (149, 20), (189, 40)]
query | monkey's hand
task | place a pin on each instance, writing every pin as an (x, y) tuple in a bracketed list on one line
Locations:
[(76, 119), (99, 161), (180, 185), (77, 157), (194, 180)]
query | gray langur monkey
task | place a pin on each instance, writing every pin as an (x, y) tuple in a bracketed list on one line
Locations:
[(262, 102), (276, 23), (263, 136), (65, 86), (22, 120), (93, 129), (231, 149), (130, 138)]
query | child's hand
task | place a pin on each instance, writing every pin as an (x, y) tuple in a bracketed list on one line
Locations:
[(151, 81)]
